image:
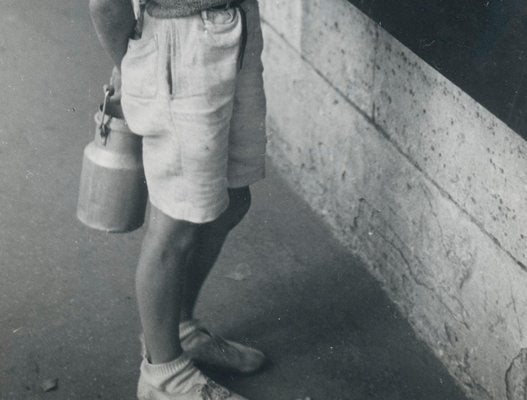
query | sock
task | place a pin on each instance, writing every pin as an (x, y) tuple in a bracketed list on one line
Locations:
[(192, 334), (215, 352), (178, 376)]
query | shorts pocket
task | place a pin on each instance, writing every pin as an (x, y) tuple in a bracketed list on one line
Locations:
[(139, 68), (220, 19)]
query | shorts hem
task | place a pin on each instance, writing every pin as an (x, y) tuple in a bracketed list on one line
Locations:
[(185, 212), (246, 179)]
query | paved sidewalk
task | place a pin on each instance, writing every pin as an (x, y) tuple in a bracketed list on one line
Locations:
[(67, 304)]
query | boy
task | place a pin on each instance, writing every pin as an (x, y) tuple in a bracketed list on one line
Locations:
[(191, 85)]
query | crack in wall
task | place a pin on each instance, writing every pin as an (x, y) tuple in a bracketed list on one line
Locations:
[(516, 377), (514, 307), (458, 316)]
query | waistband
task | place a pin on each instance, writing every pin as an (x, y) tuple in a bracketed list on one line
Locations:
[(227, 5), (180, 9), (143, 6)]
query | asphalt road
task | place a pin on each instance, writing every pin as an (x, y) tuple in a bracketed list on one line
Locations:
[(67, 304)]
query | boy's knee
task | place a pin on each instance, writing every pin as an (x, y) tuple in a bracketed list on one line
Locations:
[(185, 240), (169, 234)]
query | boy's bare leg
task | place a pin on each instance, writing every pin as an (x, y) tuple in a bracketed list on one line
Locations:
[(202, 346), (159, 283), (167, 373), (211, 237)]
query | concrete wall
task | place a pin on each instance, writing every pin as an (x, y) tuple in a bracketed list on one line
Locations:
[(411, 174)]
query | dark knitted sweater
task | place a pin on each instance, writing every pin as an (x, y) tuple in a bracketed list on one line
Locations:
[(179, 8)]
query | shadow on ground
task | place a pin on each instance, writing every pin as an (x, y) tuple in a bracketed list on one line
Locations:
[(326, 325)]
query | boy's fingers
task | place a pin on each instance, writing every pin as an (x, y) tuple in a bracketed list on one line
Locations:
[(115, 79), (109, 88)]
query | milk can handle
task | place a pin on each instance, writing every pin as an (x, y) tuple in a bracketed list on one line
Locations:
[(103, 128)]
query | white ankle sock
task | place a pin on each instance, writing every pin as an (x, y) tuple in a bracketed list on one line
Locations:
[(191, 333), (177, 376)]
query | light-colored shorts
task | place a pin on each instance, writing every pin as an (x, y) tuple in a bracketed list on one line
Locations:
[(202, 117)]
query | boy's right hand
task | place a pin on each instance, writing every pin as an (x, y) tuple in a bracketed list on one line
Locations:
[(113, 107)]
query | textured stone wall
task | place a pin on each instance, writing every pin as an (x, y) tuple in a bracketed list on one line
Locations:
[(413, 175)]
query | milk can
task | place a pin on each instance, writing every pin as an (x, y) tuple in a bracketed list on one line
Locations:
[(113, 193)]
